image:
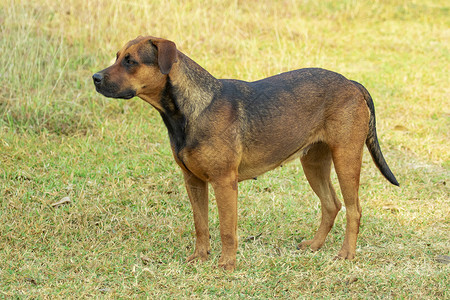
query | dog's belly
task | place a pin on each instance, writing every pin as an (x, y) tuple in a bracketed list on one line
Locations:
[(250, 167), (266, 149)]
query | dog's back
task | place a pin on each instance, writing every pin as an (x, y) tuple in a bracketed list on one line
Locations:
[(282, 115)]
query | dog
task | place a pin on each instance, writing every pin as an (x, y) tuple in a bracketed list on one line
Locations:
[(223, 131)]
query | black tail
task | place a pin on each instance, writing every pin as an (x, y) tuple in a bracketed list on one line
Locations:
[(372, 140)]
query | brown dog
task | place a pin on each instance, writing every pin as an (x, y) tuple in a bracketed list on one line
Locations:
[(224, 131)]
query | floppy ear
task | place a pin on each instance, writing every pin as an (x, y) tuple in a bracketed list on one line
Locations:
[(167, 55)]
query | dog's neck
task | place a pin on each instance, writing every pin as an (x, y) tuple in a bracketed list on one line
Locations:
[(193, 86), (188, 91)]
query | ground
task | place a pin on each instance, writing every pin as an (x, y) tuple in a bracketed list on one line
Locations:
[(126, 227)]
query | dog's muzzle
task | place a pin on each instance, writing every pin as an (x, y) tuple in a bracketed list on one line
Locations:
[(110, 89)]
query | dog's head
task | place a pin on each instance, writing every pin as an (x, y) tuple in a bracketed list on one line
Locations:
[(140, 69)]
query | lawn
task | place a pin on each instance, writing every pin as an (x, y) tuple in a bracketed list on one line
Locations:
[(125, 227)]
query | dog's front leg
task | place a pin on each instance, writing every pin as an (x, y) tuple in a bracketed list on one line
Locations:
[(198, 195), (226, 191)]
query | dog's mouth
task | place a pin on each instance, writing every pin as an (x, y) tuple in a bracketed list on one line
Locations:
[(110, 89), (126, 94)]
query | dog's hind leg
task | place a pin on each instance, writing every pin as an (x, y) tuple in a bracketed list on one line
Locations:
[(347, 163), (317, 167)]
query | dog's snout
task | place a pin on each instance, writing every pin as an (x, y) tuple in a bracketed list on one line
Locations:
[(98, 78)]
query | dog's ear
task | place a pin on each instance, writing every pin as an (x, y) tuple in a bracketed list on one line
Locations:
[(167, 54)]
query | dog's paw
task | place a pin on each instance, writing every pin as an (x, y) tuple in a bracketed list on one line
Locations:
[(228, 264), (198, 256), (309, 244), (345, 254), (304, 245)]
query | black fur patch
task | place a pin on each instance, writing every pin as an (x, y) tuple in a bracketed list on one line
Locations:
[(174, 120)]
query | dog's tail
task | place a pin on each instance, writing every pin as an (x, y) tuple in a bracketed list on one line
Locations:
[(372, 140)]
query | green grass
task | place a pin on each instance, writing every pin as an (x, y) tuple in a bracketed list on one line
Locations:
[(128, 227)]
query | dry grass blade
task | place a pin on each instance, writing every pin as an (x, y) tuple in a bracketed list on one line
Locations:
[(65, 200)]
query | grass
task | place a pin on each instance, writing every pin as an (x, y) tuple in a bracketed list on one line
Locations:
[(128, 227)]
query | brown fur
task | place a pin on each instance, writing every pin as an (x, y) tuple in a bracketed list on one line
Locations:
[(224, 131)]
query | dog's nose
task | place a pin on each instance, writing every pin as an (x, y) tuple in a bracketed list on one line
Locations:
[(98, 78)]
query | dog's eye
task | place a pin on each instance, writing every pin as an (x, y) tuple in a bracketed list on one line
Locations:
[(129, 61)]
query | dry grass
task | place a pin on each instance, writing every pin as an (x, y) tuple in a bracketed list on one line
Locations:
[(128, 226)]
